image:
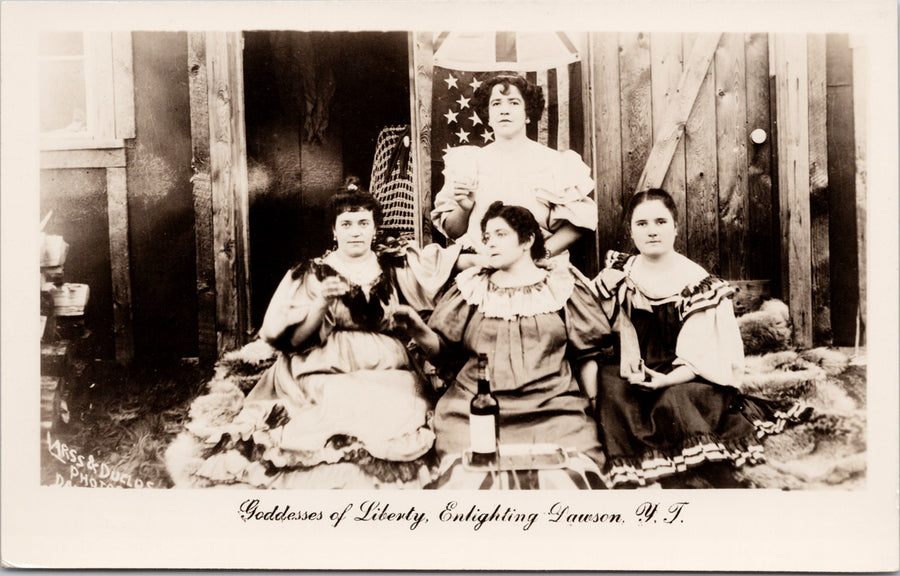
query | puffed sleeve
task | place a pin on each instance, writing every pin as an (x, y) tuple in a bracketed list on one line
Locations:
[(710, 341), (566, 190), (586, 323), (451, 315), (612, 290), (459, 162), (290, 305), (425, 273)]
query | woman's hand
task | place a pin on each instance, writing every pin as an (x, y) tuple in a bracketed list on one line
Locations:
[(332, 287), (407, 319), (655, 380), (463, 193)]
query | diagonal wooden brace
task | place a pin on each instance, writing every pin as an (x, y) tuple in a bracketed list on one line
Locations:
[(677, 111)]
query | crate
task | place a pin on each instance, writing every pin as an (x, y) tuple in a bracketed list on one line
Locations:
[(70, 299)]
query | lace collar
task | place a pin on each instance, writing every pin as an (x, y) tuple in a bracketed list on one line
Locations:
[(545, 296)]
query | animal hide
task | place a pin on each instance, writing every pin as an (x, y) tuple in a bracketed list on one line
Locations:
[(767, 329), (829, 449)]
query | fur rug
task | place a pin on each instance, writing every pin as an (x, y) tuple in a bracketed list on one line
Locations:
[(828, 450), (348, 464)]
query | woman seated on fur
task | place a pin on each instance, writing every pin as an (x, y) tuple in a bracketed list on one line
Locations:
[(533, 322), (344, 387), (672, 411)]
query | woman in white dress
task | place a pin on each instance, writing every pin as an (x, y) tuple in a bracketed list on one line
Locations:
[(555, 186)]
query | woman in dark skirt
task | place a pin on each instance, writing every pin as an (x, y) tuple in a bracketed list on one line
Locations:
[(672, 411)]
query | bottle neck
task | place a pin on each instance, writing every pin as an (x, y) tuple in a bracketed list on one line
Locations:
[(484, 386)]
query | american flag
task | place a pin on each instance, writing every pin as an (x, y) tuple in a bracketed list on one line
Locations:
[(454, 121)]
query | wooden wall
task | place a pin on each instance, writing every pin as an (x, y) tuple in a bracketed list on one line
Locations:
[(741, 216), (721, 181), (161, 223), (751, 208)]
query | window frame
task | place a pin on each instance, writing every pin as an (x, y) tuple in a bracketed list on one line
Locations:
[(109, 95)]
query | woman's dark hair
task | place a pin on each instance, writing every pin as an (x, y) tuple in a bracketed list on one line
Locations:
[(648, 195), (353, 198), (522, 221), (533, 95)]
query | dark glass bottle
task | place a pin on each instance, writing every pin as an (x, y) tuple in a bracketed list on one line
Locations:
[(484, 419)]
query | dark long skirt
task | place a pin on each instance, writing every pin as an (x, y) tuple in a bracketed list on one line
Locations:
[(650, 435)]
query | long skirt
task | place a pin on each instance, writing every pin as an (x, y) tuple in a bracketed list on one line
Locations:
[(649, 434)]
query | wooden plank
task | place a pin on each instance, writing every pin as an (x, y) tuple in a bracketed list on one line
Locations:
[(201, 183), (62, 159), (123, 79), (562, 125), (818, 193), (421, 71), (667, 69), (842, 190), (793, 175), (672, 126), (223, 208), (702, 224), (581, 134), (241, 191), (607, 136), (637, 129), (120, 264), (731, 145), (229, 188), (587, 117), (761, 257), (860, 117)]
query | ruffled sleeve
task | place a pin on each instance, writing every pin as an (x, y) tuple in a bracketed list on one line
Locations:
[(612, 289), (586, 323), (610, 282), (425, 272), (451, 314), (710, 341), (289, 306), (567, 193), (459, 162)]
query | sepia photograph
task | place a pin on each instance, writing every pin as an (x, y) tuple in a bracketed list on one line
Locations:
[(346, 274)]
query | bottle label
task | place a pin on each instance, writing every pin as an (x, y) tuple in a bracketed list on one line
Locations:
[(481, 431)]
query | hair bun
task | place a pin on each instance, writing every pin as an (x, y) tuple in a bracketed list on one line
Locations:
[(352, 183)]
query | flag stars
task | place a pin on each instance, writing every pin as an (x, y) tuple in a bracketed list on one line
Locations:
[(462, 135), (487, 136), (463, 102), (475, 83), (451, 116), (447, 149), (475, 119), (451, 81)]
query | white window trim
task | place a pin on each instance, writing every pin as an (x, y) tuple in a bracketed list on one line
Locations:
[(109, 95)]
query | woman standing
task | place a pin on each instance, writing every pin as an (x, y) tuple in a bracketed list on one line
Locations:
[(343, 387), (677, 410), (554, 186), (532, 322)]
